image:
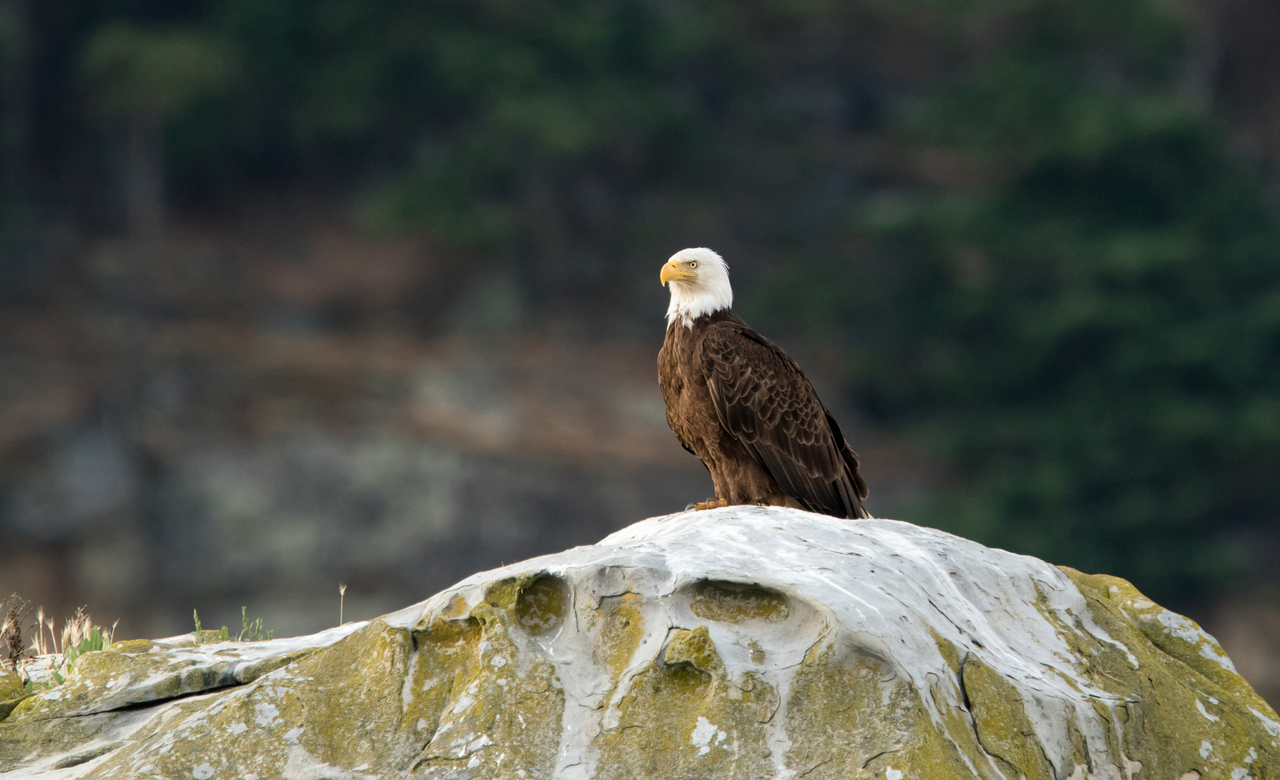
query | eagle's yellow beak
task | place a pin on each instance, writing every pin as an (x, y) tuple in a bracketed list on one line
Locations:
[(671, 272)]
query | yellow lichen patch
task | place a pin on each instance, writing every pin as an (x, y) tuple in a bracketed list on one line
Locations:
[(236, 735), (478, 701), (733, 602), (621, 629), (954, 750), (1003, 728), (448, 651), (133, 646), (948, 650), (502, 594), (10, 684), (447, 633), (345, 717), (456, 608), (12, 691), (250, 672), (1179, 714), (1079, 745), (19, 741), (1174, 634), (540, 606), (1105, 666), (836, 717), (681, 719), (503, 709), (695, 650), (111, 679), (850, 716), (1109, 719), (329, 711)]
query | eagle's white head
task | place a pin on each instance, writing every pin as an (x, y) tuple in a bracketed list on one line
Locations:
[(699, 283)]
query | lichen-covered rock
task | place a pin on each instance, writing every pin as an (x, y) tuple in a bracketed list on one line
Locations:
[(140, 671), (12, 691), (738, 643)]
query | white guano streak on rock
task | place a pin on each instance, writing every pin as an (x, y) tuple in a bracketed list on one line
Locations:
[(301, 765), (1267, 723), (266, 714), (587, 685), (179, 648), (1187, 630), (406, 690), (868, 576)]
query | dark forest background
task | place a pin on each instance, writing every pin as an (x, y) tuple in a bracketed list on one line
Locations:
[(300, 293)]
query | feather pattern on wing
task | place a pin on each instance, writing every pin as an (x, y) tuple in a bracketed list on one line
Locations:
[(763, 398)]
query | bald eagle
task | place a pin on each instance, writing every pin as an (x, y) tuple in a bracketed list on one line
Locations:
[(743, 406)]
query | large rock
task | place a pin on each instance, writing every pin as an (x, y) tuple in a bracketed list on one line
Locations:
[(737, 643)]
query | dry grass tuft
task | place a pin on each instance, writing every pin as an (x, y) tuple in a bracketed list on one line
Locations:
[(57, 654), (15, 613)]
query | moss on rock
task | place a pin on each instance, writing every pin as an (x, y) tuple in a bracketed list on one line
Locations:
[(326, 713), (540, 606), (732, 602), (111, 679), (620, 630), (503, 706), (1185, 708), (1001, 723), (12, 691), (682, 717)]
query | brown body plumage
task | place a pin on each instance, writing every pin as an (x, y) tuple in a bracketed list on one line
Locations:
[(745, 408)]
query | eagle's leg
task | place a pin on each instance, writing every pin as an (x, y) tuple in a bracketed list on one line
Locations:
[(777, 499), (710, 503)]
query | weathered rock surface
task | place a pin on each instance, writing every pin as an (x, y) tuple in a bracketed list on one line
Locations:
[(738, 643)]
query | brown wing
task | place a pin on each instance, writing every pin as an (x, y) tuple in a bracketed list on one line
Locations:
[(763, 398)]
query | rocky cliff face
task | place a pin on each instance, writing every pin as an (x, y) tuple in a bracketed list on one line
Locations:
[(743, 642)]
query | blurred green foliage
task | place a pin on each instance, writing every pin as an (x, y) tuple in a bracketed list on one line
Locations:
[(1091, 333), (468, 113), (156, 71)]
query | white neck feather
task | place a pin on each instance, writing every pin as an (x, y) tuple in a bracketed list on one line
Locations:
[(707, 294)]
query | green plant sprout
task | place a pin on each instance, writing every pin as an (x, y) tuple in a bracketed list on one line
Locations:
[(252, 632)]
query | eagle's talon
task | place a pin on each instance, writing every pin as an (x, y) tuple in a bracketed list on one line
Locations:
[(710, 503)]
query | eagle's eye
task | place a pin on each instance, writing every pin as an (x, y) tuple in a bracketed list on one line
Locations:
[(693, 263)]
